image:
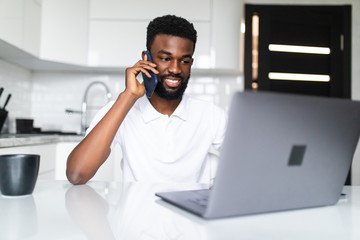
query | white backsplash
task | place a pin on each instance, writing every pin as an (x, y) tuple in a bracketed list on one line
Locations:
[(53, 93), (44, 96), (18, 82)]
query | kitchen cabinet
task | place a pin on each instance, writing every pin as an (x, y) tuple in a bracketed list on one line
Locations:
[(109, 171), (225, 34), (117, 31), (64, 34), (53, 159), (47, 154), (32, 27), (116, 43), (20, 24), (146, 10), (11, 21), (48, 29), (117, 34), (127, 40), (109, 35)]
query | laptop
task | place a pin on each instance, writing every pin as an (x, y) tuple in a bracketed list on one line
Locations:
[(280, 152)]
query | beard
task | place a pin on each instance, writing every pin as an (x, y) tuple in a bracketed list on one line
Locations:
[(171, 95)]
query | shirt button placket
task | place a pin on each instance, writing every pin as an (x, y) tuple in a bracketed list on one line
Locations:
[(167, 139)]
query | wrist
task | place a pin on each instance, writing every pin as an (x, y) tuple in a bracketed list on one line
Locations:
[(129, 96)]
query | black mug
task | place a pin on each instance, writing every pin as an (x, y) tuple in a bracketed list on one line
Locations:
[(18, 173)]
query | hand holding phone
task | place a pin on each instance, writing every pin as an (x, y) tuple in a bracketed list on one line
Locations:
[(150, 83)]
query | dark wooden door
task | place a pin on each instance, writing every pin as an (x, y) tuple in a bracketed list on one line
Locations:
[(273, 61), (323, 27)]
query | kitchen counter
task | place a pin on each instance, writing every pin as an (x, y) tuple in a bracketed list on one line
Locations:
[(15, 140), (115, 210)]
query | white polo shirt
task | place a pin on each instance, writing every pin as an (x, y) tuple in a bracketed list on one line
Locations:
[(159, 148)]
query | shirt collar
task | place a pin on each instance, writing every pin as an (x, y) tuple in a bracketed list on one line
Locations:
[(149, 113), (181, 110)]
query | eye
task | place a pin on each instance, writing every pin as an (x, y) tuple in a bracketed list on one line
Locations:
[(165, 59), (185, 61)]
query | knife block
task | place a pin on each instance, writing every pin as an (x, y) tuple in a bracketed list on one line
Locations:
[(3, 116)]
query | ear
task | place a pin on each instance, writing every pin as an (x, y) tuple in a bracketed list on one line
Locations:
[(192, 61), (143, 55)]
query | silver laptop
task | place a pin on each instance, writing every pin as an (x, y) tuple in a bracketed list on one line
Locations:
[(280, 152)]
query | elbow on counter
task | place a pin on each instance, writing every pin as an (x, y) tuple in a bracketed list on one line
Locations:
[(74, 175), (79, 170), (75, 178)]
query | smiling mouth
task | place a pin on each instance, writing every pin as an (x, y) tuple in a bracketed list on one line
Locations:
[(173, 83)]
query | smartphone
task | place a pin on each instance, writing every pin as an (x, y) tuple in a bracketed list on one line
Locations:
[(150, 83)]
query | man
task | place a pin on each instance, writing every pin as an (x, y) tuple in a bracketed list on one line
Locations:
[(165, 138)]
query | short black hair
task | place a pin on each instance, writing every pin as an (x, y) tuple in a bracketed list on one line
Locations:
[(170, 25)]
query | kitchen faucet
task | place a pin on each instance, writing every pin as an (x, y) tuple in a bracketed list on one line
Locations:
[(84, 106)]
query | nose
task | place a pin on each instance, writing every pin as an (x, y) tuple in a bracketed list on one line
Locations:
[(174, 67)]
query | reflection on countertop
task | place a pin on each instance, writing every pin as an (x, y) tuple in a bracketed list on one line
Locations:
[(130, 210), (15, 140)]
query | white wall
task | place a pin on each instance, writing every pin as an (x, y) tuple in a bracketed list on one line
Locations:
[(18, 82)]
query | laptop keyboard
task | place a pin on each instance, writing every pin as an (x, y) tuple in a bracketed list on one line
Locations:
[(200, 201), (200, 197)]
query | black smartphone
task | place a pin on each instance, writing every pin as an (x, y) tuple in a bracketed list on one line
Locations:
[(150, 83)]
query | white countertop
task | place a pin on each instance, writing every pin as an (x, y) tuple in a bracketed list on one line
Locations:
[(112, 210), (34, 139)]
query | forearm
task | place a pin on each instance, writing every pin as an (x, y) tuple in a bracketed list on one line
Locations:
[(91, 153)]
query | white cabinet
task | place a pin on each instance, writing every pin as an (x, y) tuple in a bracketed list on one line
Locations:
[(49, 29), (112, 33), (117, 29), (32, 27), (64, 34), (47, 157), (203, 52), (53, 159), (225, 33), (120, 43), (62, 152), (116, 43), (198, 10), (20, 24), (11, 21), (109, 171)]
